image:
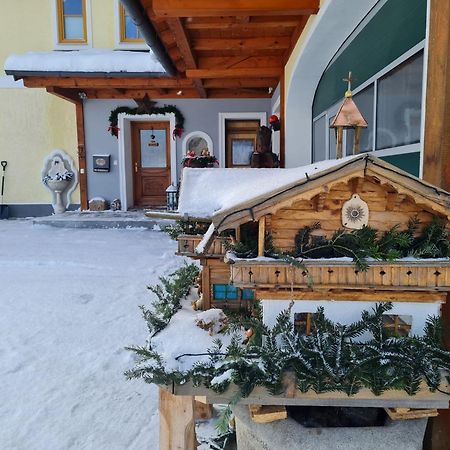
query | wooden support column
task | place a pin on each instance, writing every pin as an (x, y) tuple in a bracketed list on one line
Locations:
[(436, 157), (177, 425), (282, 122), (261, 235), (81, 155)]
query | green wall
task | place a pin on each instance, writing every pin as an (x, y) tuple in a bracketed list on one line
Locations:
[(397, 26), (409, 162)]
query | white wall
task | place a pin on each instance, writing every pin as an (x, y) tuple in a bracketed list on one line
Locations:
[(346, 312)]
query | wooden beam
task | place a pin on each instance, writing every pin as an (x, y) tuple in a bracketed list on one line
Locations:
[(231, 23), (186, 51), (282, 121), (261, 235), (65, 94), (242, 44), (436, 156), (199, 8), (265, 72), (267, 413), (238, 62), (103, 82), (352, 295), (236, 83), (295, 37), (79, 110), (177, 425)]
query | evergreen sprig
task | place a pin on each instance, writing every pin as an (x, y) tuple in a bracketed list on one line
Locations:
[(332, 358), (432, 242)]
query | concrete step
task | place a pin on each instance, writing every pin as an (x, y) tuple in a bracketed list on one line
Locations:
[(103, 219)]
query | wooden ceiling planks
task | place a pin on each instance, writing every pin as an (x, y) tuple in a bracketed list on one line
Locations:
[(230, 49)]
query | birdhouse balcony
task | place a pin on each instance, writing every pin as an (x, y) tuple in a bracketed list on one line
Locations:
[(401, 275), (188, 243)]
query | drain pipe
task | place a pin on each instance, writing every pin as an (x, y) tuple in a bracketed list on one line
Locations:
[(139, 17)]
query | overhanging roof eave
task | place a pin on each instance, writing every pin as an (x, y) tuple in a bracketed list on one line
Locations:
[(17, 74)]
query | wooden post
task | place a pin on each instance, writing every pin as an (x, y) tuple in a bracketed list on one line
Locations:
[(356, 139), (282, 122), (237, 232), (81, 155), (339, 137), (177, 425), (436, 154), (206, 285), (261, 235)]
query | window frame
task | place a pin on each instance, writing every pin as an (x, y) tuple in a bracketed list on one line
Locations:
[(396, 328), (332, 110), (122, 28), (61, 28)]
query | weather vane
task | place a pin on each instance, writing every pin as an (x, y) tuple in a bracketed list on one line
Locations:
[(349, 80)]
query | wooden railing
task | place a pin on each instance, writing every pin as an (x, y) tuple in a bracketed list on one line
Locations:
[(187, 244), (408, 275)]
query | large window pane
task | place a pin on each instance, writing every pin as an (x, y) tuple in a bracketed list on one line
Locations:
[(332, 139), (399, 104), (319, 141)]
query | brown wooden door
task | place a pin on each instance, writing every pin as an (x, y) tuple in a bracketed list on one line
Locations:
[(240, 136), (151, 162)]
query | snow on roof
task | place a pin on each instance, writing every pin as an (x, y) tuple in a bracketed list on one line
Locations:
[(91, 60), (206, 192)]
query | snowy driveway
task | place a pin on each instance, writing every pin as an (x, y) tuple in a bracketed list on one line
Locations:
[(68, 306)]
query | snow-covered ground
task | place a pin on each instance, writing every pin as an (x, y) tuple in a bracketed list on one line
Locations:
[(68, 307)]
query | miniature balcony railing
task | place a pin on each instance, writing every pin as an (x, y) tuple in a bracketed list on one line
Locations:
[(418, 275), (188, 243)]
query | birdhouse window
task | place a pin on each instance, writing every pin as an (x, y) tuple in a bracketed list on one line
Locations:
[(397, 325), (248, 294), (303, 323), (225, 292)]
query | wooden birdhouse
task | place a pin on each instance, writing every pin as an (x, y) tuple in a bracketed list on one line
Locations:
[(348, 117), (321, 238)]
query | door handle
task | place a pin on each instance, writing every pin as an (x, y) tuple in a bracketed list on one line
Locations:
[(136, 167)]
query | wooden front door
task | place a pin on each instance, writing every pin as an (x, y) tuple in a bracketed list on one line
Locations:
[(151, 162), (240, 136)]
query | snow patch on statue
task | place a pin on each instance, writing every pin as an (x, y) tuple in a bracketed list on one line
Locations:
[(60, 177), (355, 213)]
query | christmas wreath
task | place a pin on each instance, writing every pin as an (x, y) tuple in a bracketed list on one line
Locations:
[(166, 109)]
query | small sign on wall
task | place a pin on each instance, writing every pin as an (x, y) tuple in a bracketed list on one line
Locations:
[(101, 163)]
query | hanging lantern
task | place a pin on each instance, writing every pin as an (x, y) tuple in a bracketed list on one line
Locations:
[(171, 198)]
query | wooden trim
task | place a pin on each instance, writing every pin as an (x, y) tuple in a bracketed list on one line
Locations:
[(436, 155), (202, 8), (282, 121), (79, 111), (122, 31), (206, 285), (61, 28), (351, 295)]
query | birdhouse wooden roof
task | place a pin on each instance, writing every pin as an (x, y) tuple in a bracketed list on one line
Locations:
[(348, 115), (236, 196)]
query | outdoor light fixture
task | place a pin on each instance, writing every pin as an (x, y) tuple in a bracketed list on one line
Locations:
[(171, 197), (270, 89), (180, 93), (82, 95)]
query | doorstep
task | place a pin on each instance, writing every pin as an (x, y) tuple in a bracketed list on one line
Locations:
[(102, 219)]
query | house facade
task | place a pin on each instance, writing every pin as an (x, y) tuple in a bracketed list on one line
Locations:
[(227, 66)]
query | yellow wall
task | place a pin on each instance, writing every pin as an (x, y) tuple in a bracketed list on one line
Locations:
[(33, 123)]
